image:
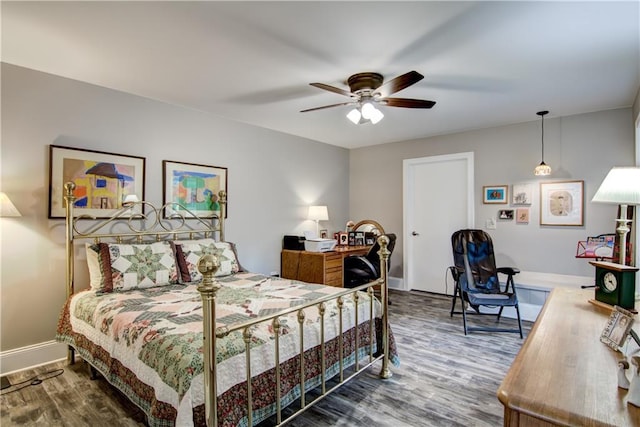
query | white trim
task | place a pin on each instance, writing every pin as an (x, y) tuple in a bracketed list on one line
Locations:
[(31, 356), (548, 281)]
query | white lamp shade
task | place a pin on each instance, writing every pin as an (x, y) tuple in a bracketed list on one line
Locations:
[(621, 186), (6, 207), (354, 115), (318, 213), (130, 198)]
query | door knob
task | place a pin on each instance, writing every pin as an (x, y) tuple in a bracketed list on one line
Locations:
[(415, 233)]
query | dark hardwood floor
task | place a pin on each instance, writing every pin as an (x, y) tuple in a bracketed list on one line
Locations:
[(445, 379)]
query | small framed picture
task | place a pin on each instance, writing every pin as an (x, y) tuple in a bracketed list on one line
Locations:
[(495, 194), (505, 214), (359, 240), (617, 329), (522, 194), (324, 233), (522, 215), (343, 238), (369, 238)]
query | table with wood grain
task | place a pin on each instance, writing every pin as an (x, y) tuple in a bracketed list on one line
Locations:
[(564, 375)]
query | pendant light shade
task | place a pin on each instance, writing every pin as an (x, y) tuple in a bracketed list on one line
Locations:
[(542, 169)]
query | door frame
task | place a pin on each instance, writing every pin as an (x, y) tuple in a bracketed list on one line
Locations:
[(407, 202)]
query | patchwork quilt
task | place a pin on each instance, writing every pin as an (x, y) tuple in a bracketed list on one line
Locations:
[(148, 343)]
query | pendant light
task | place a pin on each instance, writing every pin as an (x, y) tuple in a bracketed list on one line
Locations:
[(542, 169)]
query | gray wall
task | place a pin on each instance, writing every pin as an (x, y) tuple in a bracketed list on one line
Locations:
[(269, 186), (582, 147)]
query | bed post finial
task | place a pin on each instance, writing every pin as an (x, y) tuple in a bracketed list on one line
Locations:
[(384, 255), (207, 266)]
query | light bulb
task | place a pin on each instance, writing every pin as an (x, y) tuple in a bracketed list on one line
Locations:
[(368, 110), (376, 116), (354, 115)]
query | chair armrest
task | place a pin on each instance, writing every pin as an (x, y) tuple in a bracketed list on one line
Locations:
[(511, 271)]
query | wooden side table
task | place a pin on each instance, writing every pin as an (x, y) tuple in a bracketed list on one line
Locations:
[(318, 267)]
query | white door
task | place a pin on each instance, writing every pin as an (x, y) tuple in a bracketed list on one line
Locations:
[(438, 200)]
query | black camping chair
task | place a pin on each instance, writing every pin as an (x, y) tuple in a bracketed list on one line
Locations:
[(477, 282), (362, 269)]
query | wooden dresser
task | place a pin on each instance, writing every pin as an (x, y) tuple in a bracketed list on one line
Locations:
[(564, 375), (317, 267)]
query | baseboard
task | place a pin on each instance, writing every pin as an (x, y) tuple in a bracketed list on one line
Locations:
[(31, 356), (396, 283)]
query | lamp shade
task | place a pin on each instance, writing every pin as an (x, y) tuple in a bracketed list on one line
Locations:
[(621, 186), (6, 207), (318, 213)]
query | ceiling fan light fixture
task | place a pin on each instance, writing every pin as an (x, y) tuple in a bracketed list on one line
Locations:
[(376, 116), (354, 115), (368, 110), (542, 169)]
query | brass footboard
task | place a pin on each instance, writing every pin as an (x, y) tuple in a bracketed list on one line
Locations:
[(208, 265)]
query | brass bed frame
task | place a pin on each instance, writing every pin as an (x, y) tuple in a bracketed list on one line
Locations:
[(138, 226)]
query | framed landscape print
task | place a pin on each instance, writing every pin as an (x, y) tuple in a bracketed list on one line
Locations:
[(495, 194), (561, 203), (194, 187), (102, 179)]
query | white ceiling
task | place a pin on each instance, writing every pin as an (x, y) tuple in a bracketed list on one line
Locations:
[(485, 63)]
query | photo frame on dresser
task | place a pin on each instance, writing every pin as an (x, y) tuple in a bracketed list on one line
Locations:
[(618, 328), (194, 187), (102, 180)]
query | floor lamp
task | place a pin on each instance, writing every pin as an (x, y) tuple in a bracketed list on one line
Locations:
[(621, 186)]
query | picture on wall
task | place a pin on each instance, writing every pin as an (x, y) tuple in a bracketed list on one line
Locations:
[(193, 187), (495, 194), (102, 180), (561, 203), (522, 215), (505, 214), (522, 194)]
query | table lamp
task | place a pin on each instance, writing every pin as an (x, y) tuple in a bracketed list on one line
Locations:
[(7, 208), (318, 213), (621, 186)]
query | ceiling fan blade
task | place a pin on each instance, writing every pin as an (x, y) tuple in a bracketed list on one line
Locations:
[(399, 83), (332, 89), (327, 106), (407, 103)]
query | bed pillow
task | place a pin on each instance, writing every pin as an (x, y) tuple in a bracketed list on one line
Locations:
[(188, 252), (120, 267)]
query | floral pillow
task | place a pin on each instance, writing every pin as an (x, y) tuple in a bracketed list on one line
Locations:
[(188, 252), (120, 267)]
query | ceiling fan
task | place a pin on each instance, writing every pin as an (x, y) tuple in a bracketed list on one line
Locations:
[(367, 89)]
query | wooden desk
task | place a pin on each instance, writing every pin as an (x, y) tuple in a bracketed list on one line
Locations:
[(564, 375), (318, 267)]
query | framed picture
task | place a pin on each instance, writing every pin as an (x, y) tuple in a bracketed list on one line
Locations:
[(324, 233), (495, 194), (343, 238), (522, 194), (193, 187), (522, 215), (561, 203), (617, 328), (102, 179), (505, 214)]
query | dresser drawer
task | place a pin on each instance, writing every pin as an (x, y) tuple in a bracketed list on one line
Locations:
[(333, 261), (333, 278)]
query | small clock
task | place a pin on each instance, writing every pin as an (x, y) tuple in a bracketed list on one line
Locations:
[(615, 284), (609, 282)]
